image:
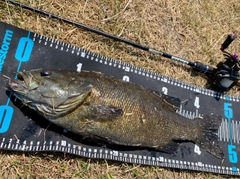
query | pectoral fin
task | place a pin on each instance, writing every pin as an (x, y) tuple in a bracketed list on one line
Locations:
[(103, 112)]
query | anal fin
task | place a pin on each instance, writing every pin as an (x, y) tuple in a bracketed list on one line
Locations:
[(170, 148)]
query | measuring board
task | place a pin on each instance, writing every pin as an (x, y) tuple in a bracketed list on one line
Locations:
[(23, 130)]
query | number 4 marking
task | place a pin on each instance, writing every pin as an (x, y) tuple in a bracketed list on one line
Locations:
[(196, 102), (197, 150)]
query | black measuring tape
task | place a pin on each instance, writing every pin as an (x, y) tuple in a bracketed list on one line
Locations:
[(20, 130)]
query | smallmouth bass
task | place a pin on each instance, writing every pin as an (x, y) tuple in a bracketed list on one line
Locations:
[(97, 106)]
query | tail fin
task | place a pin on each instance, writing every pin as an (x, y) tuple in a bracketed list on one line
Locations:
[(208, 138)]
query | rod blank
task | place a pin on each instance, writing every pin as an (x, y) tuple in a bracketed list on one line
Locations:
[(195, 65)]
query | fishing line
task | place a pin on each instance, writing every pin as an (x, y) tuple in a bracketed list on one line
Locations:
[(223, 78)]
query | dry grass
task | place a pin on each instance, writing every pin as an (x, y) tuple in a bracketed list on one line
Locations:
[(190, 29)]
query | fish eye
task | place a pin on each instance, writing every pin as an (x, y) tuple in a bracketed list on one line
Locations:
[(45, 73), (19, 77)]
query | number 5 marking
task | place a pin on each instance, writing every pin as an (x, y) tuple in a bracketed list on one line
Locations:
[(228, 112), (232, 154)]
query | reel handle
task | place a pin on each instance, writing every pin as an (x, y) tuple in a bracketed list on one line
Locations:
[(228, 41)]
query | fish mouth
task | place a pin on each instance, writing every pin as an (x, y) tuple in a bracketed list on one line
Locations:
[(17, 86)]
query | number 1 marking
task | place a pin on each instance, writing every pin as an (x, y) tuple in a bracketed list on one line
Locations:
[(79, 67)]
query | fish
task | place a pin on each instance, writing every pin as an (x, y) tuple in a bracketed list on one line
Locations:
[(97, 106)]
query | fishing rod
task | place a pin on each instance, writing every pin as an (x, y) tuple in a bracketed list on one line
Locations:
[(224, 77)]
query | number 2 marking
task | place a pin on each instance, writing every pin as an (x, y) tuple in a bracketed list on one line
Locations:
[(165, 90), (126, 78)]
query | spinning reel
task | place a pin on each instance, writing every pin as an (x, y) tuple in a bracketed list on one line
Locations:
[(225, 76)]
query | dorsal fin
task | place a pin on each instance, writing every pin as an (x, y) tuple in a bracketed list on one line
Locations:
[(172, 101)]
